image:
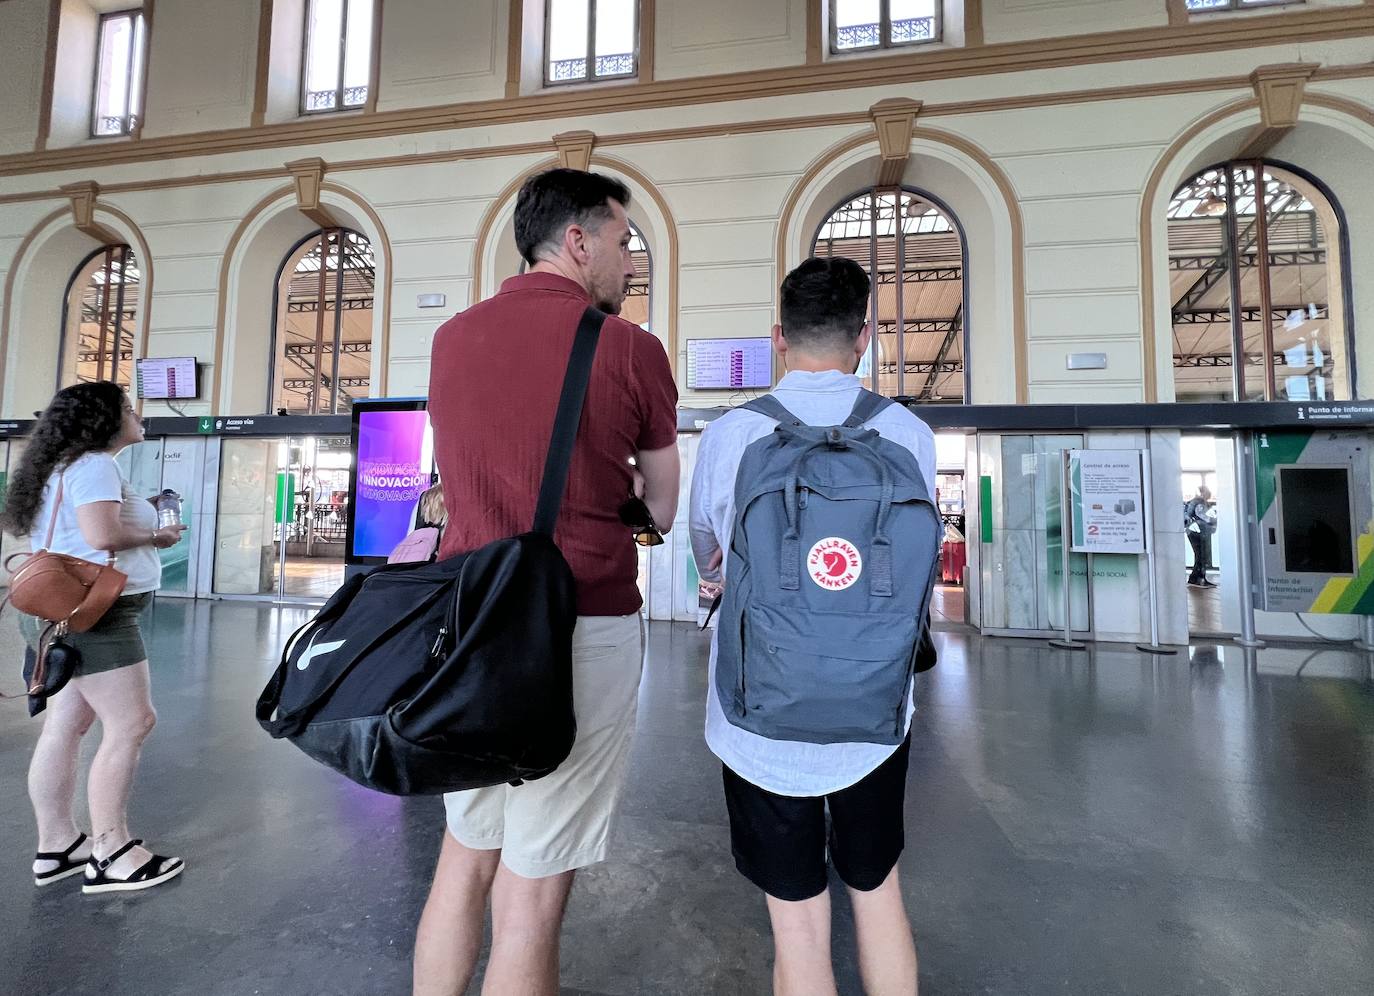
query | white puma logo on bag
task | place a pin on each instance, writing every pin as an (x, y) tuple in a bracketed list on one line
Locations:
[(312, 651)]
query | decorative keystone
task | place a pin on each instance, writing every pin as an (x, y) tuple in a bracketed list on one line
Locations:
[(308, 175), (1280, 91), (894, 120), (83, 197), (575, 149)]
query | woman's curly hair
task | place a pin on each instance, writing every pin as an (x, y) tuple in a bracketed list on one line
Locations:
[(79, 419)]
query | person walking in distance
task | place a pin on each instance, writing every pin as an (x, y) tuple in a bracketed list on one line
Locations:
[(1199, 523), (518, 847), (68, 477), (781, 781)]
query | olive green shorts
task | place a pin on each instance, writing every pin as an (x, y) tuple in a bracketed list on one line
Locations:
[(114, 642)]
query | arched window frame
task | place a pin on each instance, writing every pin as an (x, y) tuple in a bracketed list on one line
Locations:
[(71, 287), (1342, 242), (292, 258), (873, 294)]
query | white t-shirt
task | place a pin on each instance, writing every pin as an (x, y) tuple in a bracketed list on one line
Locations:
[(91, 478), (786, 767)]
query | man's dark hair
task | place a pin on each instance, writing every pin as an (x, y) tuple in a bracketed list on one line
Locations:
[(824, 303), (551, 201)]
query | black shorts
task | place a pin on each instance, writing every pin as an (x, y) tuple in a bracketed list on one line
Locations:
[(779, 841)]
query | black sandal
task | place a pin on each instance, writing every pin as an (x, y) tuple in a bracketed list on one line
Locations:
[(66, 867), (150, 874)]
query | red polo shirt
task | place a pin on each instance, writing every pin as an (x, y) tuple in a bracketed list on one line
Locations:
[(495, 377)]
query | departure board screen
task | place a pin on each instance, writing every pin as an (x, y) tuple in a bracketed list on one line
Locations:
[(729, 364)]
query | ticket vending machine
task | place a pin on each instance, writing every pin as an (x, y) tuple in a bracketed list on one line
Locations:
[(1316, 521)]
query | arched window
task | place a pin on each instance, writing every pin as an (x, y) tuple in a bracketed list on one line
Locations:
[(1268, 285), (588, 40), (637, 302), (322, 341), (99, 319), (913, 250)]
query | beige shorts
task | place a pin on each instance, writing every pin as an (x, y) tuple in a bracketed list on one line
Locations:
[(563, 820)]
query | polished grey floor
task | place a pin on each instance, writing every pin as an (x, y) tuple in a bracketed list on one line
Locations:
[(1096, 823)]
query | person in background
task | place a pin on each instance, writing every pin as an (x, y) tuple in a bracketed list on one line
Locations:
[(519, 846), (421, 544), (69, 470), (1199, 523)]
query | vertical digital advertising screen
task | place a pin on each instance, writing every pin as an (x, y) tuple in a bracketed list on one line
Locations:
[(393, 464)]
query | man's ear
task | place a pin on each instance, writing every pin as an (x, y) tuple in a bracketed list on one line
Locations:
[(575, 242), (861, 344), (779, 341)]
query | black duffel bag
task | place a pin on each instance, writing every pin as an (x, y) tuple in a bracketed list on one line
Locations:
[(417, 679)]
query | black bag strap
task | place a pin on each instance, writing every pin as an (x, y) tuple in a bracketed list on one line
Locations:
[(566, 421), (774, 409), (866, 406)]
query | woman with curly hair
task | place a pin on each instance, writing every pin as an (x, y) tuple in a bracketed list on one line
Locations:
[(68, 477)]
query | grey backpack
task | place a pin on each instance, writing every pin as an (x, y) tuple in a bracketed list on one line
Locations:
[(828, 582)]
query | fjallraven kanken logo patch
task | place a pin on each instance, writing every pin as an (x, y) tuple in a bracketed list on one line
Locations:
[(834, 563)]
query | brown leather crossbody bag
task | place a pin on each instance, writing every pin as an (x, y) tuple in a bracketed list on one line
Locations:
[(68, 591)]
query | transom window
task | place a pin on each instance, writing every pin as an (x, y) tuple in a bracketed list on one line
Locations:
[(338, 55), (856, 25), (119, 74), (590, 40), (1201, 6)]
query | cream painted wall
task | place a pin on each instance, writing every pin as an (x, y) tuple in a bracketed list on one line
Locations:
[(702, 37), (71, 98), (1020, 20), (438, 52), (202, 63), (23, 40)]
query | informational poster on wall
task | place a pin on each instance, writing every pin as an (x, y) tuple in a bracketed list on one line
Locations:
[(392, 467), (1107, 497), (1316, 537)]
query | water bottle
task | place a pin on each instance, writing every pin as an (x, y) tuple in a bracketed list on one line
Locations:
[(168, 509)]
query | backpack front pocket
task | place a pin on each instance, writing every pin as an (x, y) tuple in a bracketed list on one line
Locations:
[(826, 677)]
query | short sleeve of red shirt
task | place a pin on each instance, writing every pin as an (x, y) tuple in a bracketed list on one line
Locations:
[(655, 394)]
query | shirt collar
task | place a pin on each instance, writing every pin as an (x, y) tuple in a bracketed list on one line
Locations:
[(823, 380), (545, 282)]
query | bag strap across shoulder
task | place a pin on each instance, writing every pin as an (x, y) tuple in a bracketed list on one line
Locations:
[(866, 406), (774, 409), (56, 507), (566, 421)]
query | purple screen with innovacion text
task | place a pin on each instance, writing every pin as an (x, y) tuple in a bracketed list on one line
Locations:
[(395, 454)]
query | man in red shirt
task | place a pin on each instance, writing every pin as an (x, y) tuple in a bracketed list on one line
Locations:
[(495, 377)]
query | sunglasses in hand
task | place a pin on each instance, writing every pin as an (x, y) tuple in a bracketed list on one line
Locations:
[(635, 514)]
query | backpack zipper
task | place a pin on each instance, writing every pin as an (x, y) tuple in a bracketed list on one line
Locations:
[(438, 647), (741, 707)]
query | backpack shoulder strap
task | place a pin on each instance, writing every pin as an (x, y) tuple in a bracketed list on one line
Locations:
[(567, 419), (773, 408), (866, 407)]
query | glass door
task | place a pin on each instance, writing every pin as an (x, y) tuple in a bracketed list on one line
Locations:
[(283, 505), (312, 513), (1021, 572)]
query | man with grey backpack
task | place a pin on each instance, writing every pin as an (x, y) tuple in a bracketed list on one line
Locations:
[(814, 507)]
